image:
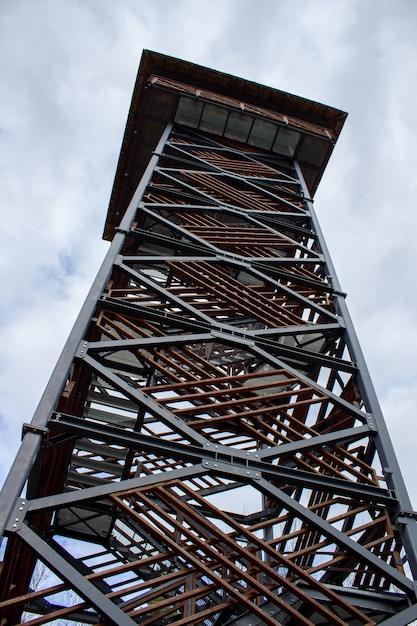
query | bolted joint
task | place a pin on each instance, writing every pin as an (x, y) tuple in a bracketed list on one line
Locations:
[(404, 517), (341, 321), (233, 469), (18, 515), (82, 350), (370, 420), (36, 430), (339, 294)]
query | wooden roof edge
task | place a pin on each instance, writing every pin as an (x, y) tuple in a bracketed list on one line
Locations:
[(155, 63)]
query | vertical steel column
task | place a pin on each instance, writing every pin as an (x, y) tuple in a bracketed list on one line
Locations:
[(392, 472), (33, 435)]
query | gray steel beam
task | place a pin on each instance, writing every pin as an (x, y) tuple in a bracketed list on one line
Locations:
[(166, 416), (341, 539), (291, 352), (62, 568), (31, 443), (69, 498), (224, 460), (407, 616), (273, 360), (164, 293), (382, 440)]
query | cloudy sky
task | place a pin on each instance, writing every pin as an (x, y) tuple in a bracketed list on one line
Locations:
[(66, 77)]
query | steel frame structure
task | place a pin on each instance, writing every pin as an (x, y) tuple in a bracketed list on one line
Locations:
[(209, 449)]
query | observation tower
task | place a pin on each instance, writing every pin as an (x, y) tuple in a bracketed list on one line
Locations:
[(210, 450)]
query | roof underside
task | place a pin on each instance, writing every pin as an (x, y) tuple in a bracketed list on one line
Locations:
[(169, 89)]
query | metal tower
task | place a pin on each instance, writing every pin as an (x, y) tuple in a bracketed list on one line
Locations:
[(209, 450)]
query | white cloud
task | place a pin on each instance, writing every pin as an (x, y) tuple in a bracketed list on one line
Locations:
[(67, 75)]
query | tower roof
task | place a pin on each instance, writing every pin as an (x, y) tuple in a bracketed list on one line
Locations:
[(170, 89)]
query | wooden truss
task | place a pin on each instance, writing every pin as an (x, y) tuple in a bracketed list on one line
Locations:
[(209, 450)]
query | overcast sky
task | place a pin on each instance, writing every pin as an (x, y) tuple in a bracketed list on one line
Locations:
[(66, 77)]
